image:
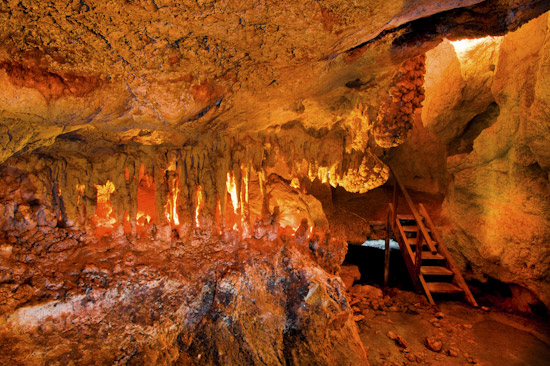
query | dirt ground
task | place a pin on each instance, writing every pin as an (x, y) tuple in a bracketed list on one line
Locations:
[(400, 328)]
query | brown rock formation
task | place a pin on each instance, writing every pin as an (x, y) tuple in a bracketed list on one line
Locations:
[(492, 114), (157, 160)]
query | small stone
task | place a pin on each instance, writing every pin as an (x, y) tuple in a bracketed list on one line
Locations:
[(358, 318), (397, 339), (356, 309), (433, 320), (485, 308), (439, 315), (349, 274), (412, 309), (393, 308), (467, 326), (452, 352), (433, 344)]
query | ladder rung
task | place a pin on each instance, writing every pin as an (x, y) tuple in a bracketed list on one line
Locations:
[(414, 241), (443, 287), (412, 228), (405, 217), (436, 271), (430, 256)]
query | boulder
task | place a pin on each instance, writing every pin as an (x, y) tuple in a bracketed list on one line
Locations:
[(349, 274)]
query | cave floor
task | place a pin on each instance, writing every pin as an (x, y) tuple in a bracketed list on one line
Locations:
[(468, 336)]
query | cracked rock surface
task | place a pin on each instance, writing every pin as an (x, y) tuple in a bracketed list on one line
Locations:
[(162, 165)]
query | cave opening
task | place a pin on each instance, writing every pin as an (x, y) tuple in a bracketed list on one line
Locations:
[(370, 261)]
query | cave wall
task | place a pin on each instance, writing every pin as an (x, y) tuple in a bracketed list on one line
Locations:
[(500, 194), (250, 278), (116, 116), (487, 106)]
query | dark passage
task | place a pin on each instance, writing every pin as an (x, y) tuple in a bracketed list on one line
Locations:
[(370, 261)]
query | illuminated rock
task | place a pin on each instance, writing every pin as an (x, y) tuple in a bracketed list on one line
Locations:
[(498, 205), (156, 158)]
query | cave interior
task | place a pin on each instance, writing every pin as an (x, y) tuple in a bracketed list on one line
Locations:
[(213, 182)]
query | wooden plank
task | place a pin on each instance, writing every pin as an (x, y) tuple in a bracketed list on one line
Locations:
[(405, 217), (414, 241), (418, 255), (427, 290), (451, 263), (406, 251), (395, 200), (410, 228), (443, 288), (415, 213), (430, 256), (387, 250), (436, 271)]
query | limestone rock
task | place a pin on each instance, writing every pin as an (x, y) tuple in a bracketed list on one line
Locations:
[(452, 352), (349, 274), (499, 198), (397, 338), (275, 305), (366, 291), (458, 88), (433, 344), (152, 154)]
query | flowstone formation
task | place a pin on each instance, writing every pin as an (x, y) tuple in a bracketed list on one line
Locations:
[(156, 158)]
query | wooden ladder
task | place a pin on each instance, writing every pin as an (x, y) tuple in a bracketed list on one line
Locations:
[(428, 261)]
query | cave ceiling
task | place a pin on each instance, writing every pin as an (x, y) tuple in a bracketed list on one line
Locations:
[(174, 73)]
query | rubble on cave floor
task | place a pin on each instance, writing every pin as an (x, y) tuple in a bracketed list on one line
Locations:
[(400, 328)]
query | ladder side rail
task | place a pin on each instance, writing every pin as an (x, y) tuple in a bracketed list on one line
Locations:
[(387, 249), (418, 253), (450, 261), (415, 213), (406, 251), (426, 290), (395, 201)]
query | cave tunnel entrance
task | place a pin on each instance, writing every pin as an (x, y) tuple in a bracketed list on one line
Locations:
[(366, 247), (366, 250), (369, 258)]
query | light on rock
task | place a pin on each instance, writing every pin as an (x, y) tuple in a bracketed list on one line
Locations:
[(104, 217)]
